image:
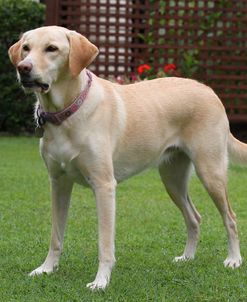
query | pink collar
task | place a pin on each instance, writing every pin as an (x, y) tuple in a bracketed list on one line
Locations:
[(57, 118)]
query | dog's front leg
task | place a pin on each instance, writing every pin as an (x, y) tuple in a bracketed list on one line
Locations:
[(105, 199), (60, 192)]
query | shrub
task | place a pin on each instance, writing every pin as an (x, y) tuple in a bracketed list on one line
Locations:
[(16, 108)]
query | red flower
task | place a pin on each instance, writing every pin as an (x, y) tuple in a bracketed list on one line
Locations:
[(169, 67), (143, 68), (120, 80), (133, 77)]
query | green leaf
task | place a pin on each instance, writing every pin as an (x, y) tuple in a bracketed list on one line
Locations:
[(16, 108)]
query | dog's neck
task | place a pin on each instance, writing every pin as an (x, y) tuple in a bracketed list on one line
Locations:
[(62, 93)]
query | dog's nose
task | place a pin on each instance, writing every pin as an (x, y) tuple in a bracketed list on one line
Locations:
[(25, 68)]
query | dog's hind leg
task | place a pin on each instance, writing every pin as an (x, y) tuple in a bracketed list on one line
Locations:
[(175, 175), (212, 170), (61, 191)]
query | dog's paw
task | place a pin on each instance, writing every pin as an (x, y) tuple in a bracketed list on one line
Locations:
[(182, 258), (103, 276), (43, 269), (98, 284), (233, 262)]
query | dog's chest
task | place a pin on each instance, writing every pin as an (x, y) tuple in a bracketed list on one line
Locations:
[(60, 156)]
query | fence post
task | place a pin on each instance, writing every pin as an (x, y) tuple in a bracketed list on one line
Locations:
[(52, 12)]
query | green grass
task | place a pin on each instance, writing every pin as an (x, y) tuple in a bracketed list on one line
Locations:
[(150, 232)]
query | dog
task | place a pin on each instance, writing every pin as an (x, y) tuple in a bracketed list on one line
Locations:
[(98, 133)]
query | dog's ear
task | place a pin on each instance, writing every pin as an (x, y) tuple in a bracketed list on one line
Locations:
[(82, 53), (15, 53)]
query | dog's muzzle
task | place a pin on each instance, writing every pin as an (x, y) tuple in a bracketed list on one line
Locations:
[(34, 84), (25, 70)]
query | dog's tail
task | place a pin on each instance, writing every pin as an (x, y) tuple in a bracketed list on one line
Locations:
[(237, 151)]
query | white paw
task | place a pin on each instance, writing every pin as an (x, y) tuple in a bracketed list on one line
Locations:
[(182, 258), (103, 276), (233, 262), (43, 269), (98, 283)]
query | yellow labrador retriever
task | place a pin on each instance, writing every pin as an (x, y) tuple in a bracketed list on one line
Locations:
[(98, 133)]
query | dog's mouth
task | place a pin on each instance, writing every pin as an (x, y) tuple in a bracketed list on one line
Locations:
[(35, 85)]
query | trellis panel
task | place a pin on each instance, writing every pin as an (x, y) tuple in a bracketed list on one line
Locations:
[(130, 33)]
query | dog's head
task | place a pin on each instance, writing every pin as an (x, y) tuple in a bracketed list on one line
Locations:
[(44, 55)]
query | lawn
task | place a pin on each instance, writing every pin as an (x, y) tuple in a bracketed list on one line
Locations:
[(150, 232)]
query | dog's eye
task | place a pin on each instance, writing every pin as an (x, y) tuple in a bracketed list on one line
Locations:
[(51, 48), (25, 48)]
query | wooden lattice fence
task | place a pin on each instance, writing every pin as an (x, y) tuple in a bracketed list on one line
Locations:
[(205, 39)]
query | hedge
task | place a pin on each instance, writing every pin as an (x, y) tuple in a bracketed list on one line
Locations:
[(16, 108)]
